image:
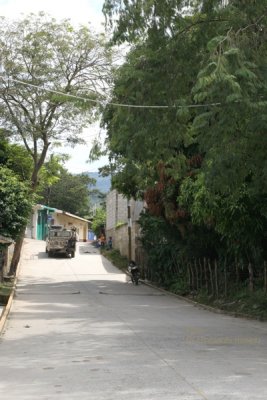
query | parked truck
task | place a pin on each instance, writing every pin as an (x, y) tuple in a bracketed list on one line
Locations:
[(61, 241)]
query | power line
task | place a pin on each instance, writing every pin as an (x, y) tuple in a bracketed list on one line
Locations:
[(85, 99)]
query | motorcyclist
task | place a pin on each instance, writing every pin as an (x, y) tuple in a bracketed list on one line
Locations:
[(134, 271)]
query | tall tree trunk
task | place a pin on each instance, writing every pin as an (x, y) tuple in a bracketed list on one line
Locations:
[(16, 255), (38, 160)]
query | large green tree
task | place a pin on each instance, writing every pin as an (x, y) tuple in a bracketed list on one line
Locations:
[(156, 77), (200, 160), (16, 203), (70, 193), (231, 190), (49, 68), (16, 158)]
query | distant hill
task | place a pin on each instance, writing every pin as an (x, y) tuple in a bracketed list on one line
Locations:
[(103, 184)]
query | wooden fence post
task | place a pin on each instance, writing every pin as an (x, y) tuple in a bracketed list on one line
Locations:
[(211, 278), (201, 273), (265, 277), (189, 276), (192, 276), (225, 277), (206, 275), (250, 270), (216, 279), (236, 271), (195, 264)]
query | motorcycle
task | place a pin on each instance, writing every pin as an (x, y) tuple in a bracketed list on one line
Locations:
[(134, 272)]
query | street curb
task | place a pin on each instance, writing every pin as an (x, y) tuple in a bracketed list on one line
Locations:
[(204, 306), (7, 308)]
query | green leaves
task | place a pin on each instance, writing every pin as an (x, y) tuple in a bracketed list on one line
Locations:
[(99, 221), (50, 68), (215, 42), (202, 162), (15, 204), (68, 192)]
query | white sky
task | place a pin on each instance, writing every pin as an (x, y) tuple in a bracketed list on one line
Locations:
[(80, 12)]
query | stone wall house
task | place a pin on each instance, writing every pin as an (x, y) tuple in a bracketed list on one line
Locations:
[(118, 222)]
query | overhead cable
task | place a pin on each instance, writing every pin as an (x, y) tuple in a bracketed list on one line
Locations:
[(85, 99)]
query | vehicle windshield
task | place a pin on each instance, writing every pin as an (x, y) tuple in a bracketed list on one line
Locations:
[(65, 234)]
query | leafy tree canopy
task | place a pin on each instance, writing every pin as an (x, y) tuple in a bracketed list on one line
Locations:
[(99, 221), (69, 193), (16, 204), (50, 68), (16, 158), (202, 159), (135, 19)]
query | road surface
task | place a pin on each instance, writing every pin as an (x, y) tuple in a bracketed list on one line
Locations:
[(78, 329)]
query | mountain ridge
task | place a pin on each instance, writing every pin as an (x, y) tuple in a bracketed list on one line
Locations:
[(103, 183)]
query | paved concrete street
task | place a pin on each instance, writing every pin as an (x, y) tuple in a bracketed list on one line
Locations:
[(79, 330)]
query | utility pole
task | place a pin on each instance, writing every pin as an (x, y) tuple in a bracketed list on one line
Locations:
[(129, 231)]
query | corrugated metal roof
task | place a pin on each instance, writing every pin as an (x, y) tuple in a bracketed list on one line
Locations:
[(41, 206), (48, 208), (73, 216)]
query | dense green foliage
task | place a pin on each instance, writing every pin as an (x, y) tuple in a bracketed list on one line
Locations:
[(15, 157), (48, 67), (99, 221), (116, 258), (16, 197), (54, 76), (200, 162), (69, 193), (16, 203)]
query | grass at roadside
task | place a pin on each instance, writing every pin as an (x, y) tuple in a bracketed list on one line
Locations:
[(242, 302), (5, 291), (115, 257), (238, 302)]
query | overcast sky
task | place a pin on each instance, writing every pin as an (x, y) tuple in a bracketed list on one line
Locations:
[(80, 12)]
